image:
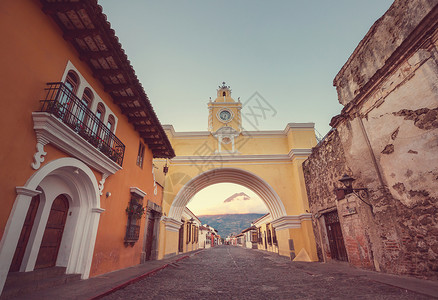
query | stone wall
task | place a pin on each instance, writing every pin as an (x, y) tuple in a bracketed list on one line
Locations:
[(388, 133), (379, 45), (322, 171)]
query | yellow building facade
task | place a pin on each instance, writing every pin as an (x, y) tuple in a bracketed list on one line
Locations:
[(267, 162)]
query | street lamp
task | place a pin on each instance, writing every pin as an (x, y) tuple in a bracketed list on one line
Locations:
[(347, 181), (165, 169)]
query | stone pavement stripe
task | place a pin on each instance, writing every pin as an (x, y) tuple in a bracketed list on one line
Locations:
[(147, 274)]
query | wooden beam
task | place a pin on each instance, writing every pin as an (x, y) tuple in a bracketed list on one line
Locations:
[(118, 87), (145, 128), (107, 72), (136, 120), (80, 33), (156, 147), (85, 55), (126, 99), (132, 110), (150, 135), (52, 8), (153, 141)]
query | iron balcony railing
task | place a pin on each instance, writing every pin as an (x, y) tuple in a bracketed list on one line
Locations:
[(68, 108)]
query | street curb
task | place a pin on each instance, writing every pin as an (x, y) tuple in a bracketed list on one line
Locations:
[(133, 280)]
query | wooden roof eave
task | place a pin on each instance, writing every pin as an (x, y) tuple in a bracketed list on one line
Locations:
[(102, 28)]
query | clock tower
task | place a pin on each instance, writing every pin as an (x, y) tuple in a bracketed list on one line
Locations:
[(224, 119)]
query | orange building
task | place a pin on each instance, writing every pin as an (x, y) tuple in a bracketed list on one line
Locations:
[(79, 135)]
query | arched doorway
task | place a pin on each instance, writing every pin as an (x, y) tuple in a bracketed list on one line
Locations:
[(25, 234), (52, 237), (68, 189)]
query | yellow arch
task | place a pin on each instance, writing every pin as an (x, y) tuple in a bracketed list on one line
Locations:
[(228, 175)]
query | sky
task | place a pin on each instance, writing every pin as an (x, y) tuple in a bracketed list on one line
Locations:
[(210, 201), (288, 51)]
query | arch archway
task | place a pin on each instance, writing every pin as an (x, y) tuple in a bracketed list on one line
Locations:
[(75, 180), (227, 175)]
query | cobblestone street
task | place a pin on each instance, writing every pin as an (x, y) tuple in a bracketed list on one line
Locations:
[(228, 272)]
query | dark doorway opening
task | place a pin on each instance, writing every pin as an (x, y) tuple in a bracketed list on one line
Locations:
[(334, 234), (181, 239), (53, 234), (25, 234)]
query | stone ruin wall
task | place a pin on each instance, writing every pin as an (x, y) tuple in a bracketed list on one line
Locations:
[(401, 123), (372, 54), (399, 113), (322, 172)]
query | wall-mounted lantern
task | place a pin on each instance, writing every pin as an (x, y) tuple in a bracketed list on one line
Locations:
[(165, 169), (347, 181)]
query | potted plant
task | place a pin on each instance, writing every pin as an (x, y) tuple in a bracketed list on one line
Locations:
[(135, 210)]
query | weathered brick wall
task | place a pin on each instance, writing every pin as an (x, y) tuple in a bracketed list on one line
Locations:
[(322, 171), (388, 132)]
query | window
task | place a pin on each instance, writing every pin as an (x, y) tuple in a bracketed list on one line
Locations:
[(268, 233), (111, 122), (254, 236), (260, 239), (70, 86), (135, 211), (100, 113), (274, 237), (195, 234), (189, 232), (72, 82), (140, 155), (224, 94), (106, 133), (86, 100)]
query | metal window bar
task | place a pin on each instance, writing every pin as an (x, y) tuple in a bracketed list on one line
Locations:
[(67, 107), (132, 232)]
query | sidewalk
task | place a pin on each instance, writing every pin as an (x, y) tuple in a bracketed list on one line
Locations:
[(99, 286), (421, 286)]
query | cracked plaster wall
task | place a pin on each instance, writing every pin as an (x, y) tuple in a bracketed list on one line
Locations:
[(399, 112)]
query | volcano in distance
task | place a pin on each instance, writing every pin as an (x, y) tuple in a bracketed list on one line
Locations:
[(227, 224)]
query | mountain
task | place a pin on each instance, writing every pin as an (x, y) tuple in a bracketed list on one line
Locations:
[(237, 197), (230, 223)]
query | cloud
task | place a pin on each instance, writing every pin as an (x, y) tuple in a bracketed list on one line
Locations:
[(210, 201), (237, 197)]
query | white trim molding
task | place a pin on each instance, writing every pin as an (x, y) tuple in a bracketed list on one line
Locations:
[(51, 130), (171, 224), (236, 157), (263, 220), (286, 222), (77, 181), (136, 191), (25, 191), (295, 153)]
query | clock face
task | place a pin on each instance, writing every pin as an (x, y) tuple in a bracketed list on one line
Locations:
[(225, 115)]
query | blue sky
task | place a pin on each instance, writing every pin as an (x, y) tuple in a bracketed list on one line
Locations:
[(288, 51)]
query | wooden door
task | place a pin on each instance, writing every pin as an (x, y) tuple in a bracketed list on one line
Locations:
[(25, 233), (150, 237), (53, 233), (334, 234), (181, 239)]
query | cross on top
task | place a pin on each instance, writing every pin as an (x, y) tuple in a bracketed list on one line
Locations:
[(224, 85)]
